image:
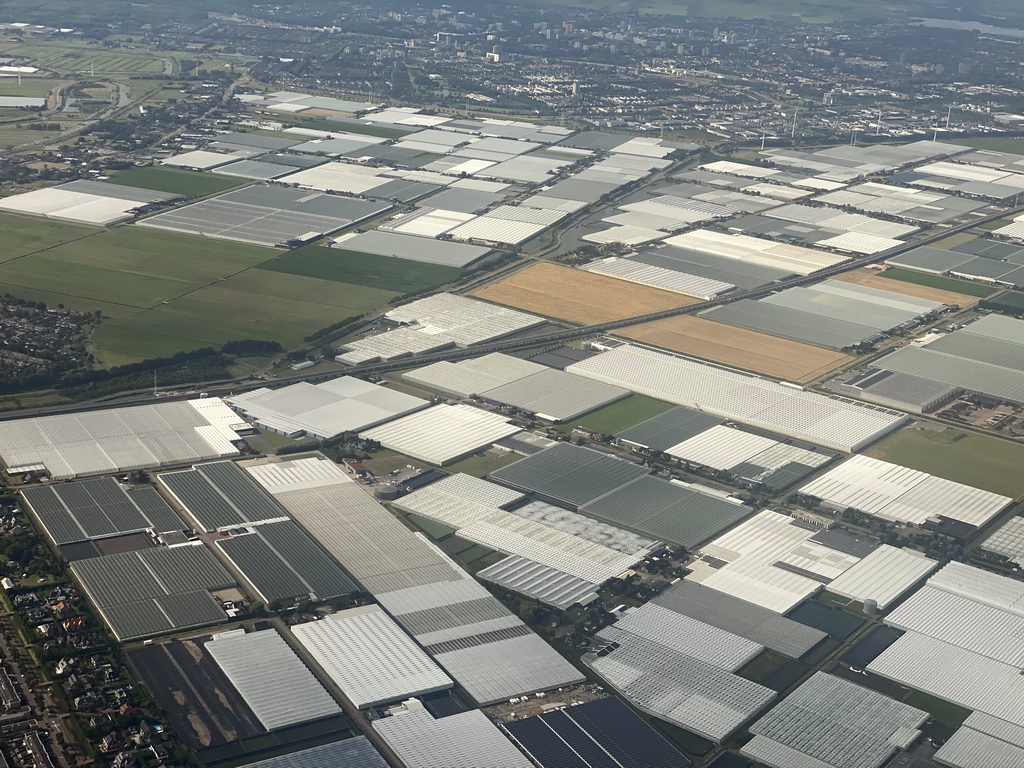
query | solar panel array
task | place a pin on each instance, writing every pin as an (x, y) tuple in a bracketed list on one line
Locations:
[(600, 734), (282, 562), (153, 591), (95, 509)]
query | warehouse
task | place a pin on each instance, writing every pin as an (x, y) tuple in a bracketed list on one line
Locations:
[(831, 422), (829, 722), (96, 509), (962, 642), (474, 508), (585, 735), (739, 617), (466, 740), (261, 666), (659, 277), (87, 202), (774, 561), (322, 411), (883, 576), (154, 591), (751, 458), (569, 475), (899, 390), (666, 511), (443, 434), (280, 562), (898, 494), (689, 691), (983, 740), (399, 246), (219, 496), (356, 752), (484, 647), (112, 440), (832, 314), (370, 658), (270, 216), (985, 356)]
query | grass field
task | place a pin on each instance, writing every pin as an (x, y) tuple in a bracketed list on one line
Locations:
[(29, 86), (176, 182), (68, 57), (22, 235), (624, 414), (964, 457), (937, 281), (1014, 145), (739, 347), (577, 296), (872, 278), (390, 274), (484, 463)]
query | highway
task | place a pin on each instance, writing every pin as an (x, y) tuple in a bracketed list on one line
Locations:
[(561, 336)]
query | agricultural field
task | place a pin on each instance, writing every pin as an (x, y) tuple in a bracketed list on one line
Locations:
[(937, 281), (84, 57), (955, 454), (339, 265), (1014, 145), (175, 181), (739, 347), (874, 279), (621, 415), (22, 235), (32, 87), (577, 296)]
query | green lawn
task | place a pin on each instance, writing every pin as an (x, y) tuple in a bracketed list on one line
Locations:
[(965, 457), (383, 272), (937, 281), (175, 181), (621, 415), (21, 235)]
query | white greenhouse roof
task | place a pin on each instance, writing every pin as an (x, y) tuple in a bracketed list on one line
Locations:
[(757, 250), (370, 658), (261, 666), (324, 410), (968, 748), (444, 433), (120, 439), (467, 321), (473, 376), (658, 277), (721, 447), (199, 159), (466, 740), (1007, 540), (883, 576), (896, 493), (832, 422)]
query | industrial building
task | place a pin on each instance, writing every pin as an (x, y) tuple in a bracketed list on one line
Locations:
[(369, 657), (261, 665), (903, 495), (829, 722), (466, 740), (477, 641), (87, 202), (323, 411), (154, 591), (67, 446), (983, 356), (586, 735), (832, 314), (962, 642), (96, 509), (831, 422), (443, 434)]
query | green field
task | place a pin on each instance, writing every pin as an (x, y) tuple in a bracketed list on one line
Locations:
[(383, 272), (67, 57), (175, 181), (22, 235), (1014, 145), (29, 86), (937, 281), (484, 464), (621, 415), (964, 457)]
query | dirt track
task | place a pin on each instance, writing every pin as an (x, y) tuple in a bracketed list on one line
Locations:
[(738, 347), (582, 297)]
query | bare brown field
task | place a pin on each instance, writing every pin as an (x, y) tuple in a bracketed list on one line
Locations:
[(873, 279), (581, 297), (739, 347)]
